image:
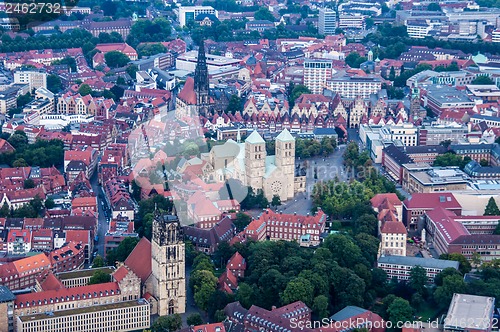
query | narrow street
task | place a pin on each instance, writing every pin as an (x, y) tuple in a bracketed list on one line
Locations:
[(102, 226)]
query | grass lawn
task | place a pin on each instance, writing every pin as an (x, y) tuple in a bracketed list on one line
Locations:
[(426, 312)]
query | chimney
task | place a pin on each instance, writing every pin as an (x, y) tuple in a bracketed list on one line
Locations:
[(281, 211), (308, 214), (295, 213)]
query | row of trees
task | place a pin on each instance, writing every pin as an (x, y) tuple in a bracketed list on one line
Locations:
[(451, 159)]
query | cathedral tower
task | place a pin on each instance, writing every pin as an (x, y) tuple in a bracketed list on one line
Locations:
[(285, 159), (255, 160), (201, 82), (168, 264)]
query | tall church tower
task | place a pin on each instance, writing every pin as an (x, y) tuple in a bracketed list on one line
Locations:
[(255, 160), (285, 159), (201, 82), (414, 104), (168, 264)]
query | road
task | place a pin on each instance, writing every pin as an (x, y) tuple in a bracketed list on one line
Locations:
[(102, 226)]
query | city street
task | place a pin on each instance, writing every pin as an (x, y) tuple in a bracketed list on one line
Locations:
[(102, 226)]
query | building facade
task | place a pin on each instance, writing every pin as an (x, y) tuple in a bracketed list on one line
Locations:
[(327, 22)]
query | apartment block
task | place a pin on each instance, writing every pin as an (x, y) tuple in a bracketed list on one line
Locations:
[(35, 78), (316, 74)]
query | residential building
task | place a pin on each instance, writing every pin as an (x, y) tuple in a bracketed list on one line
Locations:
[(469, 313), (22, 273), (6, 309), (208, 239), (393, 239), (327, 21), (400, 266), (316, 74), (354, 86), (34, 78), (189, 13)]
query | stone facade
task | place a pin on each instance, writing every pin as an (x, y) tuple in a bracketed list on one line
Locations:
[(168, 278)]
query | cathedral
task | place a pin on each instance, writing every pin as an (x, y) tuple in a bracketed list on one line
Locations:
[(160, 265), (249, 163)]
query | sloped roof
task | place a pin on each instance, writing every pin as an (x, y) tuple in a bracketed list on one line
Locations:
[(393, 227), (285, 136), (255, 138), (139, 260)]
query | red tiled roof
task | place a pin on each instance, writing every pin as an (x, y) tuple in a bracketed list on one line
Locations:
[(379, 198), (68, 294), (120, 273), (236, 262), (393, 227), (49, 281), (446, 225), (431, 200), (139, 260), (187, 93), (214, 327)]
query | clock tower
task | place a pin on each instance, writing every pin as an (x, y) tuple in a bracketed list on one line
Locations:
[(168, 264)]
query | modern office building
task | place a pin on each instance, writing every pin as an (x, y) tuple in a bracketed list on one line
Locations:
[(316, 73), (327, 21), (189, 13)]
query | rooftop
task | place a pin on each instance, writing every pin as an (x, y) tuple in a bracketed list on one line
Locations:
[(431, 263), (470, 312), (84, 273), (94, 308)]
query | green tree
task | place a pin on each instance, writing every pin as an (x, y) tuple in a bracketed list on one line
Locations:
[(20, 162), (203, 294), (170, 323), (234, 104), (132, 70), (298, 289), (116, 59), (194, 319), (245, 295), (297, 91), (54, 83), (451, 285), (4, 211), (366, 223), (263, 13), (320, 306), (242, 221), (28, 184), (276, 201), (84, 89), (434, 7), (482, 80), (418, 279), (463, 264), (120, 253), (449, 271), (491, 208), (400, 310), (99, 277), (343, 249), (98, 262), (49, 203)]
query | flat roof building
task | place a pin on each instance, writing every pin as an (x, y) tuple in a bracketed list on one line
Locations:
[(400, 266), (469, 313)]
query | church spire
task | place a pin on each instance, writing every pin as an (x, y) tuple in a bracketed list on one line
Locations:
[(201, 83)]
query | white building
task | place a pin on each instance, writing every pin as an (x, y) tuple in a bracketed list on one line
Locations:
[(187, 14), (354, 86), (327, 21), (495, 36), (351, 21), (35, 78), (316, 73), (187, 61)]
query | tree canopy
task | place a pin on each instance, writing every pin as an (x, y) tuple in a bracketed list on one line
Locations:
[(491, 208)]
